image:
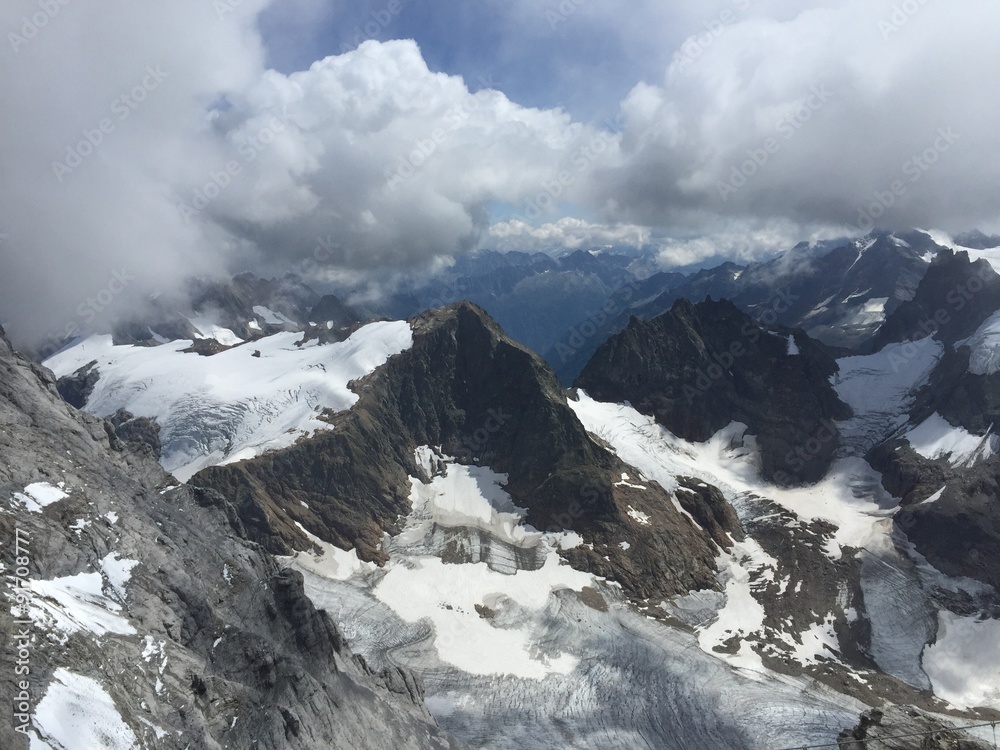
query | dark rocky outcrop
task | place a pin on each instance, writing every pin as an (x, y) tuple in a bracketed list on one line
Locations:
[(959, 532), (466, 387), (702, 366), (76, 388), (905, 729), (140, 433), (953, 299)]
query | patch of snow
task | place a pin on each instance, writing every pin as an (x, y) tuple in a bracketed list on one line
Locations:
[(446, 595), (117, 572), (332, 562), (232, 406), (77, 712), (793, 348), (984, 358), (962, 662), (855, 295), (111, 517), (76, 603), (935, 497), (819, 643), (935, 438), (209, 329), (469, 496), (638, 516), (565, 540), (270, 317), (157, 337), (625, 546), (79, 525), (742, 615), (626, 483), (160, 732), (39, 495)]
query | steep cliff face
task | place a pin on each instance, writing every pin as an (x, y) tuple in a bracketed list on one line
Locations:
[(466, 388), (944, 463), (702, 366), (952, 300), (111, 570)]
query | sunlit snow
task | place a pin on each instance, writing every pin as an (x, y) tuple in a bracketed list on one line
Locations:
[(233, 405)]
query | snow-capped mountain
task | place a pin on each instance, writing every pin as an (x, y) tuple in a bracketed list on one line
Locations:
[(838, 292), (703, 545)]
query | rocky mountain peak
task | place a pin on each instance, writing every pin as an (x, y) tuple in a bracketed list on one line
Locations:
[(953, 298), (701, 366)]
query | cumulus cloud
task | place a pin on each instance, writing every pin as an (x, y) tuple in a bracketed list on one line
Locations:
[(815, 117)]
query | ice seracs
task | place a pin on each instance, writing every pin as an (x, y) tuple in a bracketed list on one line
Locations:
[(233, 405)]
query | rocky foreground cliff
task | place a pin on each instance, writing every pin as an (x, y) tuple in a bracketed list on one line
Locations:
[(139, 615)]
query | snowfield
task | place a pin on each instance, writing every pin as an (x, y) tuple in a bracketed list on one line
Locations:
[(880, 390), (76, 712), (936, 438), (518, 650), (233, 405)]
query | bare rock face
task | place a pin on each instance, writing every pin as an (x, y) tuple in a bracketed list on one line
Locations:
[(467, 388), (195, 636), (959, 532), (702, 366)]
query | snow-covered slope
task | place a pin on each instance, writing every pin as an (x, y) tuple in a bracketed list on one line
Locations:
[(855, 514), (520, 651), (235, 404), (880, 388)]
